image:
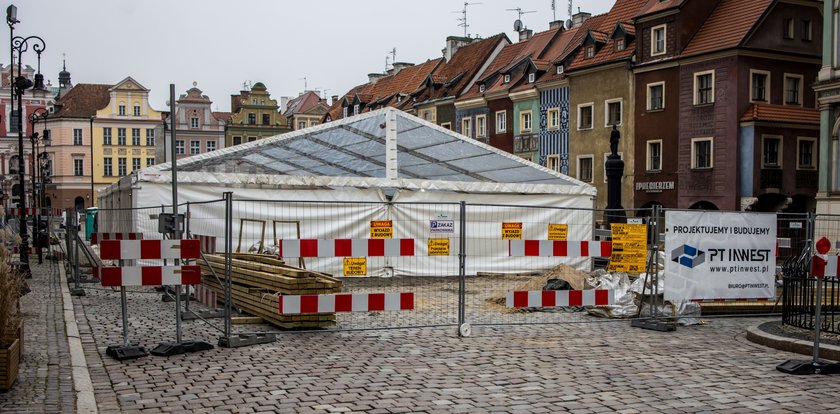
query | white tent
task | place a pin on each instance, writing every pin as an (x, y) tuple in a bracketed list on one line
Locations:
[(398, 164)]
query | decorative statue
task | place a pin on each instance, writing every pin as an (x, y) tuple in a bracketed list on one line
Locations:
[(615, 136)]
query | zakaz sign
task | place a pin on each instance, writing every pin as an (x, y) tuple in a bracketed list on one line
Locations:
[(717, 255)]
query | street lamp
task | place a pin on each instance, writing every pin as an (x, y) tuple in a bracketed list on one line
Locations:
[(35, 139), (19, 86)]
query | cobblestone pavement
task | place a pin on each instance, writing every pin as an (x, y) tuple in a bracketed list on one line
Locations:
[(588, 367), (45, 382)]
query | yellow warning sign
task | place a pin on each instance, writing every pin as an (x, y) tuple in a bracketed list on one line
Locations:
[(381, 229), (511, 231), (438, 247), (629, 248), (558, 231), (355, 266)]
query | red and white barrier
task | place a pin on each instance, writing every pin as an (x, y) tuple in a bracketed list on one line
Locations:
[(827, 266), (205, 296), (95, 238), (15, 211), (346, 247), (559, 298), (149, 249), (150, 275), (560, 248), (357, 302), (16, 249), (207, 243)]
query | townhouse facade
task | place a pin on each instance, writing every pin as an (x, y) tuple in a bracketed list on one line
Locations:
[(827, 88), (254, 115), (198, 129), (306, 110)]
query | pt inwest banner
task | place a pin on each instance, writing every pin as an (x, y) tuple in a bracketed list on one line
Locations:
[(715, 255)]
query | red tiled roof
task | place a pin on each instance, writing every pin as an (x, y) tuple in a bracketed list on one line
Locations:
[(622, 11), (462, 67), (726, 27), (222, 116), (83, 101), (654, 6), (781, 113), (302, 103)]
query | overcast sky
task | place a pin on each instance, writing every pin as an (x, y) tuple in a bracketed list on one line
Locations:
[(334, 44)]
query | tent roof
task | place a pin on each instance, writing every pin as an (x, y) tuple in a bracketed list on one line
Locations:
[(366, 151)]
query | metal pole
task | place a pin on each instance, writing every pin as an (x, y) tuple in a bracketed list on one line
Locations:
[(228, 263), (176, 234), (76, 269), (462, 271), (92, 191), (124, 304), (818, 320)]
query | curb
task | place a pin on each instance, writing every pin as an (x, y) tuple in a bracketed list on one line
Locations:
[(85, 399), (799, 346)]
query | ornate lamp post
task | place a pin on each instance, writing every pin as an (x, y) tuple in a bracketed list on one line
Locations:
[(35, 139), (19, 85)]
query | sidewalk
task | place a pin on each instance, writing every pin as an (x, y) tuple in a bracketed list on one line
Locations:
[(45, 382)]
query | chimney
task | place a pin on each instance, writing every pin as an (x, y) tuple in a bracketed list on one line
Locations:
[(580, 17), (373, 77), (453, 43), (557, 24), (284, 103), (398, 66), (235, 102), (525, 34), (334, 99)]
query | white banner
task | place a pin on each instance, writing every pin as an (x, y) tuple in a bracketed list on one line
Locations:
[(715, 255)]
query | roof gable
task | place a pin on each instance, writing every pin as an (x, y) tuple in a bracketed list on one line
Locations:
[(128, 84), (727, 26)]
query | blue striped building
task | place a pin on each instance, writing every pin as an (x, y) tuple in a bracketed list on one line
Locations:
[(555, 141)]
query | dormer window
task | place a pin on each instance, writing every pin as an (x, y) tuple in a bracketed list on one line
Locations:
[(344, 114), (507, 78), (657, 40), (531, 77), (559, 69), (481, 88), (619, 44), (356, 109), (590, 51)]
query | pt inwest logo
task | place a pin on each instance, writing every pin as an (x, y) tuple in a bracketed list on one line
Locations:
[(688, 256)]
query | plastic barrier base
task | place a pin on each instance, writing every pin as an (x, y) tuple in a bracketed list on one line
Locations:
[(654, 324), (169, 348), (121, 353), (241, 340), (77, 292), (802, 367)]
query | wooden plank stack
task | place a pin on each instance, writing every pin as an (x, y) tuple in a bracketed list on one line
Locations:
[(257, 280)]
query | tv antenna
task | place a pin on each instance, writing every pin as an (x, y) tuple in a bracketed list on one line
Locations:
[(517, 25), (554, 10), (304, 83), (571, 9), (463, 18)]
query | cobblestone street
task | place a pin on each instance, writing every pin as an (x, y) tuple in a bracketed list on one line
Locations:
[(596, 366)]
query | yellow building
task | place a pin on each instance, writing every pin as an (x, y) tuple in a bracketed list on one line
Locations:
[(124, 133), (254, 115)]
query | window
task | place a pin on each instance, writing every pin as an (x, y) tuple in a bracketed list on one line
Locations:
[(704, 88), (237, 140), (314, 123), (481, 126), (771, 152), (787, 28), (466, 127), (120, 136), (702, 150), (266, 119), (619, 44), (135, 164), (78, 168), (584, 164), (150, 137), (805, 153), (590, 51), (106, 136), (507, 78), (344, 112), (47, 136), (252, 139), (657, 40), (585, 115), (525, 121), (195, 147), (560, 69), (553, 162), (14, 118), (77, 136), (193, 122), (654, 155), (656, 96), (122, 110), (793, 89), (356, 109), (501, 121), (211, 146), (481, 88), (107, 167), (136, 110), (759, 85), (301, 125), (252, 118), (122, 165), (427, 115), (553, 118), (531, 77), (806, 30), (447, 125), (135, 136), (150, 162), (179, 146), (612, 113)]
